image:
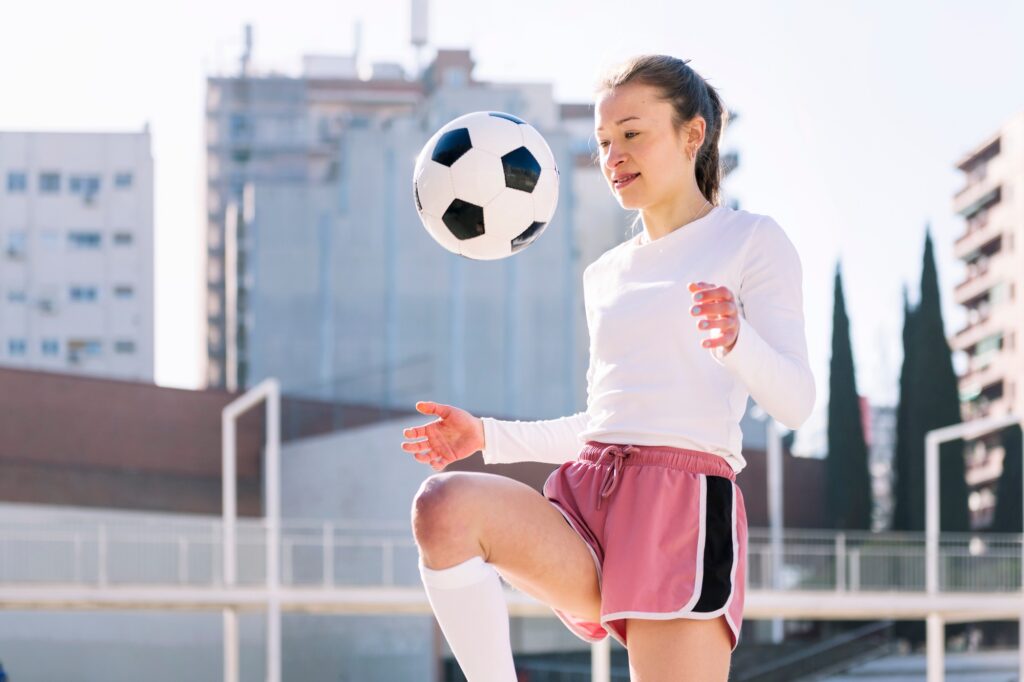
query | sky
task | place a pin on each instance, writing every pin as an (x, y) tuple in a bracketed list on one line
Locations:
[(852, 115)]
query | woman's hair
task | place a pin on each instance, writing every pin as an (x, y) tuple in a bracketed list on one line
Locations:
[(690, 95)]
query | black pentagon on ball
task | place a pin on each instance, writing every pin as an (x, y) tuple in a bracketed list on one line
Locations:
[(464, 220), (528, 236), (522, 171), (507, 117), (451, 147)]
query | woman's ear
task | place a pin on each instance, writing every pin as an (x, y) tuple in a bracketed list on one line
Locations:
[(694, 137)]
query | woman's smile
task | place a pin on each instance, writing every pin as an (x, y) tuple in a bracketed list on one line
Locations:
[(622, 181)]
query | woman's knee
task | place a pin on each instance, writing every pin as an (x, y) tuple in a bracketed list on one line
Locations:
[(436, 507)]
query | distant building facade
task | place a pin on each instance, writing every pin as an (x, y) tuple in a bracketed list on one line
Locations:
[(76, 269), (992, 294)]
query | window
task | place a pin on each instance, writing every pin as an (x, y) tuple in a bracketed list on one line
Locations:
[(17, 181), (84, 240), (49, 240), (124, 292), (124, 347), (83, 294), (51, 347), (455, 77), (79, 348), (16, 296), (123, 180), (17, 244), (16, 347), (84, 184), (238, 126), (49, 183), (122, 239)]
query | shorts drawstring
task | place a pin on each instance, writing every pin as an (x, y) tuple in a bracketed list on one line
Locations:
[(611, 477)]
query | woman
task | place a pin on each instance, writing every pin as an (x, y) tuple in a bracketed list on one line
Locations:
[(641, 533)]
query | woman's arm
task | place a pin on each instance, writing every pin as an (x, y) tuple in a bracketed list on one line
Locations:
[(553, 440), (770, 353)]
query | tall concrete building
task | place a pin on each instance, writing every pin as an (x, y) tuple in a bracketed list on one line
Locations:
[(992, 248), (321, 274), (76, 270)]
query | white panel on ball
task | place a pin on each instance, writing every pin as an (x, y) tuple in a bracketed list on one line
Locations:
[(434, 188), (482, 249), (545, 195), (493, 134), (478, 175), (538, 147), (509, 215)]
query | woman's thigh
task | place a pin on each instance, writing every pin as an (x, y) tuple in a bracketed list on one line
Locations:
[(679, 650), (458, 515)]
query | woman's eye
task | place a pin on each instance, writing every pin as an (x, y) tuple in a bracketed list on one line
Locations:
[(631, 134), (602, 144)]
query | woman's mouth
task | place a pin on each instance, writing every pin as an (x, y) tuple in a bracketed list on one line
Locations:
[(619, 183)]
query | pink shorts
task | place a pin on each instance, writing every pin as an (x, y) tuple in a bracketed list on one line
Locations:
[(667, 530)]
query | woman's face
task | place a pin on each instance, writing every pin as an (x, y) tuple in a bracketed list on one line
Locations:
[(643, 156)]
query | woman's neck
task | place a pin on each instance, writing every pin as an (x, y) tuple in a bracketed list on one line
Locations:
[(661, 220)]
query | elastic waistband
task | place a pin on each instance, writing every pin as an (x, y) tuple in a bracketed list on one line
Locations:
[(694, 461)]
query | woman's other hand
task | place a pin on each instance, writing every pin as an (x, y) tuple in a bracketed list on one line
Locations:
[(715, 308), (455, 435)]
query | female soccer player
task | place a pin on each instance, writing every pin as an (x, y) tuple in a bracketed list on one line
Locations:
[(641, 533)]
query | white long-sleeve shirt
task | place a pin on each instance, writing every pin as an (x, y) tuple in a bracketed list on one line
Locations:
[(649, 381)]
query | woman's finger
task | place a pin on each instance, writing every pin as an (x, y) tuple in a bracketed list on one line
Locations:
[(717, 323), (721, 308), (417, 446), (726, 339), (700, 286), (439, 409)]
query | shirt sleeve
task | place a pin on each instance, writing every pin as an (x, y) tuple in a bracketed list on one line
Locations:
[(770, 353), (553, 440)]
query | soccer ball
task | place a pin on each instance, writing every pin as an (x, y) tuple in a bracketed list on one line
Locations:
[(485, 185)]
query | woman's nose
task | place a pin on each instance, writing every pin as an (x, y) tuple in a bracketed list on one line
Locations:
[(613, 157)]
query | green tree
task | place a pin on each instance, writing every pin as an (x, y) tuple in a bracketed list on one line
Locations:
[(848, 479), (908, 464), (929, 399)]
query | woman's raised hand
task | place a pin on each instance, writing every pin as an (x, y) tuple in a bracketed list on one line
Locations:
[(456, 434), (717, 306)]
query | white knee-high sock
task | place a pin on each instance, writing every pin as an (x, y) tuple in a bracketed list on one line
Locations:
[(470, 608)]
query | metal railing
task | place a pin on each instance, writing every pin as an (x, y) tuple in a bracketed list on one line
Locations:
[(317, 554), (860, 561)]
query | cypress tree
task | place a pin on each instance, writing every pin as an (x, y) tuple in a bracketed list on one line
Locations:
[(908, 470), (848, 478), (937, 397), (929, 399)]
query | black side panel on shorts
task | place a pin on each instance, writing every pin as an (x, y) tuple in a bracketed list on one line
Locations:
[(717, 583)]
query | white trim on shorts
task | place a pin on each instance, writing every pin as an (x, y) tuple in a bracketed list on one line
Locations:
[(687, 610)]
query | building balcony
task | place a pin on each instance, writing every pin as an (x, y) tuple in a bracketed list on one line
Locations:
[(976, 196), (985, 375), (975, 332), (977, 234), (983, 280), (979, 409)]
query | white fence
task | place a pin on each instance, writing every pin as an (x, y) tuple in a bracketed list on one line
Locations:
[(350, 554)]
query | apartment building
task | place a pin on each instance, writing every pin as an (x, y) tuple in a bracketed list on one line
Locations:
[(991, 203), (76, 267)]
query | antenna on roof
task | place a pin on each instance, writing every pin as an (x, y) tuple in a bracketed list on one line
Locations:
[(247, 52), (418, 26)]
